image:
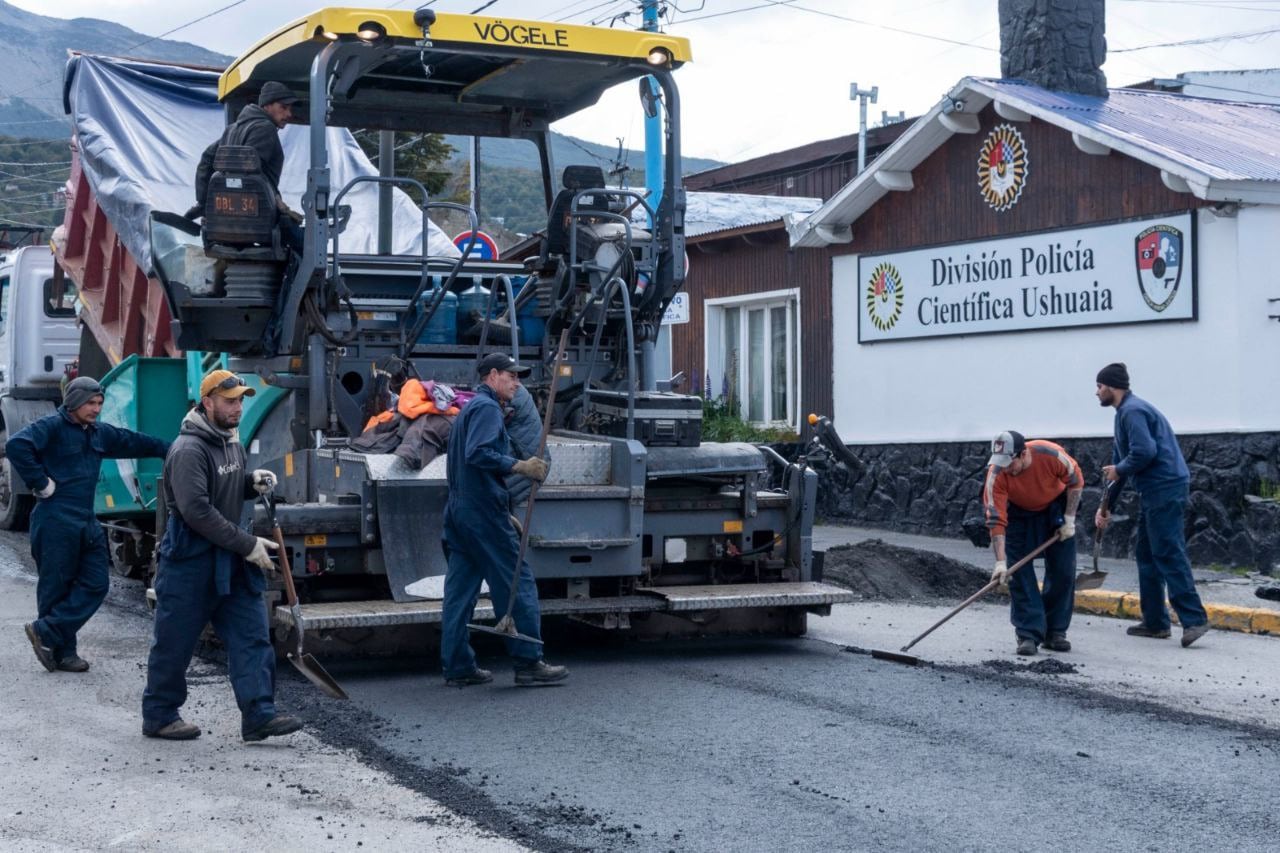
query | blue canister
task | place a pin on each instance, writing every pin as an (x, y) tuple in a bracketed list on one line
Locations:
[(442, 328), (472, 303), (532, 329)]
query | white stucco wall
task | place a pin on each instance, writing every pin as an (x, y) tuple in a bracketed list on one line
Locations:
[(1214, 374)]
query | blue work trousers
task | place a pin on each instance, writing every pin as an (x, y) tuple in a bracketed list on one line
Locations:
[(1162, 560), (186, 601), (74, 575), (486, 554), (1035, 612)]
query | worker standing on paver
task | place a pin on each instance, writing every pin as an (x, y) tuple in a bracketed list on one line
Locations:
[(1031, 493), (1147, 451), (480, 542), (257, 126), (58, 457), (203, 577)]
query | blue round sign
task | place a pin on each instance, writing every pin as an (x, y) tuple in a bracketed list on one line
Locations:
[(477, 246)]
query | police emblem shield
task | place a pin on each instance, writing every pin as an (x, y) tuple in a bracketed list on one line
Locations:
[(1159, 264)]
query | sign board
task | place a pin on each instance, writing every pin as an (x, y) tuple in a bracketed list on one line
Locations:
[(677, 310), (477, 247), (1128, 272)]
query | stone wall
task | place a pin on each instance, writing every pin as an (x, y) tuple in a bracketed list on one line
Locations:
[(933, 488)]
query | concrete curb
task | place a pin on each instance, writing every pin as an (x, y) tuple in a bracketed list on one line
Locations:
[(1227, 617)]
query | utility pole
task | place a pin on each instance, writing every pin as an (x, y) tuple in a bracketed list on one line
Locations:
[(474, 181), (862, 96), (653, 123)]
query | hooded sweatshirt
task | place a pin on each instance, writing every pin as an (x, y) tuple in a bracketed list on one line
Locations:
[(206, 485)]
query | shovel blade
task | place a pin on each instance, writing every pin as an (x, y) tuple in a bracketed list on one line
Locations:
[(509, 633), (1090, 580), (317, 675)]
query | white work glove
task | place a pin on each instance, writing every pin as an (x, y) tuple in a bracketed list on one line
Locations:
[(535, 468), (47, 491), (1101, 519), (1000, 574), (1068, 528), (264, 481), (259, 556)]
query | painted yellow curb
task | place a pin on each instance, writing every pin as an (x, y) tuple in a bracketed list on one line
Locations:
[(1226, 617)]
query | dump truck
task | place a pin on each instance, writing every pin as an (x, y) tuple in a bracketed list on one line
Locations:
[(639, 521)]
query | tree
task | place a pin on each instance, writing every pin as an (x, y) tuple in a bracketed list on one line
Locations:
[(421, 156)]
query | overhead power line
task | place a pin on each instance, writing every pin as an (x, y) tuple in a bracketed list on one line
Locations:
[(1206, 40)]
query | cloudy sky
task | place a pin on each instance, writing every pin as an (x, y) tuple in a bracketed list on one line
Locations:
[(771, 74)]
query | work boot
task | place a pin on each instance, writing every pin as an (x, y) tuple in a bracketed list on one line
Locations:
[(1026, 647), (280, 724), (1195, 632), (476, 676), (73, 663), (179, 729), (44, 654), (1141, 630), (540, 672), (1057, 641)]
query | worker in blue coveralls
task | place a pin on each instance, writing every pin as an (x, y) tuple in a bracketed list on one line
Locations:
[(480, 541), (211, 571), (1146, 451), (58, 457)]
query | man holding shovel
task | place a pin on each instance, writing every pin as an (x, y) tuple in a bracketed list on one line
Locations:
[(1031, 493), (204, 575), (480, 542)]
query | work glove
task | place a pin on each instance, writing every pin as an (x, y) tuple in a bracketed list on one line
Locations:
[(1068, 528), (535, 468), (259, 556), (1000, 574), (47, 491), (1101, 519), (264, 481)]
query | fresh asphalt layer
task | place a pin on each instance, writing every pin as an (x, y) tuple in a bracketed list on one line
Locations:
[(726, 743)]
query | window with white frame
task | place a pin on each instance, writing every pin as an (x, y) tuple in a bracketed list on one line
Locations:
[(752, 355)]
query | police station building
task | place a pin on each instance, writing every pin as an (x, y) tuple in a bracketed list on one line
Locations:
[(1013, 241)]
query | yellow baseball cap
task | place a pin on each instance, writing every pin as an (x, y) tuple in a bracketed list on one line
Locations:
[(224, 383)]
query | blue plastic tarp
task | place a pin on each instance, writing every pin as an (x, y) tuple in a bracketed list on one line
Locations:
[(142, 126)]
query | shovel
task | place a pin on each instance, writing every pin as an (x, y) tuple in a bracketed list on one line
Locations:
[(302, 662), (1095, 578), (506, 626), (911, 659)]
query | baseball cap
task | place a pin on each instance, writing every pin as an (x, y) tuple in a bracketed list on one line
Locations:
[(273, 92), (502, 361), (224, 383), (1004, 447)]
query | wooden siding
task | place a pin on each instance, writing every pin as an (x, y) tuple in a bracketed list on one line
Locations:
[(754, 264), (1065, 188)]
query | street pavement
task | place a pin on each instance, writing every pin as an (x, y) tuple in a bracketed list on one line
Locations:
[(79, 775), (711, 744)]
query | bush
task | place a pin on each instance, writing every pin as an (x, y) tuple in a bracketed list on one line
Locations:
[(721, 423)]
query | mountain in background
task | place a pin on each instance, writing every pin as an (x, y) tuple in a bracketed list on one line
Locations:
[(35, 51)]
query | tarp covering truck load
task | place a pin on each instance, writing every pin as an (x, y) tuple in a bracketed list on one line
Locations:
[(639, 519)]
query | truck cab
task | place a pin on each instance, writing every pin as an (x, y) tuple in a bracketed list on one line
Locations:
[(39, 342)]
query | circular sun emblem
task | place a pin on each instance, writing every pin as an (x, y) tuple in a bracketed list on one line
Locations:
[(884, 296), (1002, 167)]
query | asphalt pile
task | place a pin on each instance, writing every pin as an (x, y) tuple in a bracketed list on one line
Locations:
[(878, 571)]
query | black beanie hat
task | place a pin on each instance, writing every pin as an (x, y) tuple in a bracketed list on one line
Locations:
[(1114, 375)]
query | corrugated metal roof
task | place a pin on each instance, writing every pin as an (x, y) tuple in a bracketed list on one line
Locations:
[(1223, 140), (710, 212)]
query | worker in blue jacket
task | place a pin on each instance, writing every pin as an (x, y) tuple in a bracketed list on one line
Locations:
[(1146, 451), (480, 541), (58, 457)]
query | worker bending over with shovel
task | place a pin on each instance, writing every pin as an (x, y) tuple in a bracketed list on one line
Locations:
[(1031, 493), (480, 541)]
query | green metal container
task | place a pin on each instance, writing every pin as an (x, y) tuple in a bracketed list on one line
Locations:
[(153, 395)]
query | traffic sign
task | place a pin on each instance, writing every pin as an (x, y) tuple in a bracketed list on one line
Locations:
[(677, 310), (477, 246)]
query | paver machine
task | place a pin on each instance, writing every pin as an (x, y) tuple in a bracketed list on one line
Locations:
[(639, 520)]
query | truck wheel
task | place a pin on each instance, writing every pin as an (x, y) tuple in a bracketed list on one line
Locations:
[(15, 508), (130, 555)]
